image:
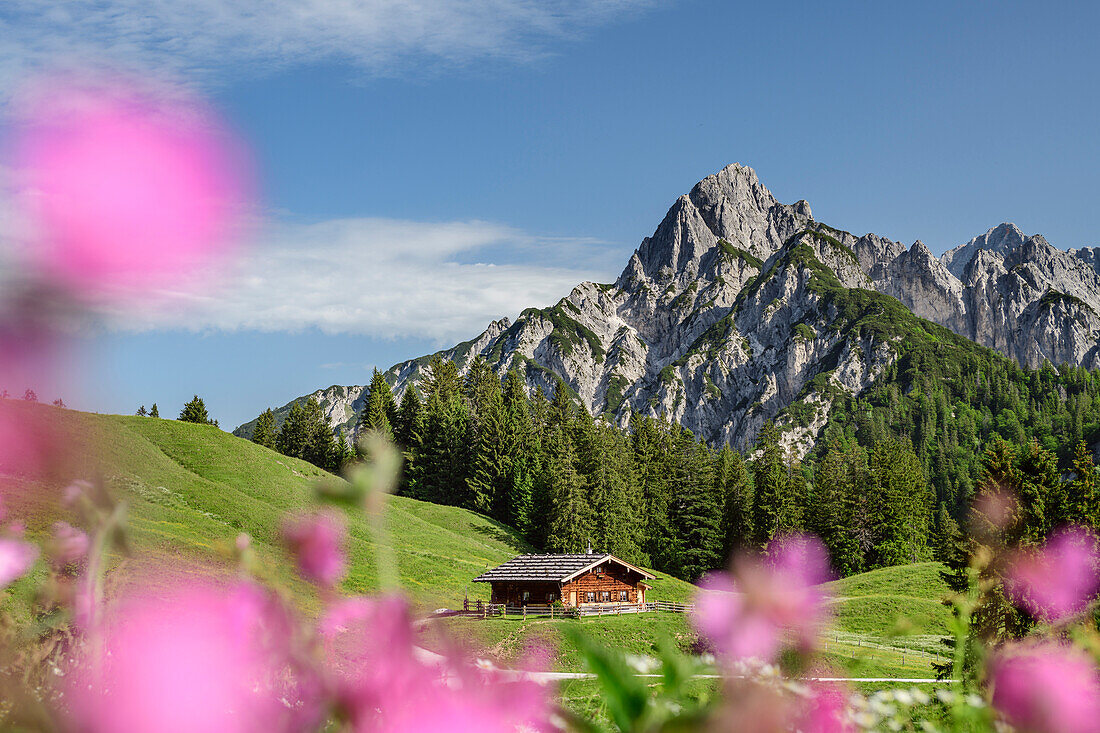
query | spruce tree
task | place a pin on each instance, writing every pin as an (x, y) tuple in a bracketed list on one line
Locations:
[(695, 510), (1082, 500), (320, 444), (488, 466), (899, 492), (444, 455), (731, 481), (294, 435), (141, 412), (840, 483), (263, 432), (380, 411), (519, 447), (408, 432), (570, 521), (769, 478), (650, 448), (945, 535), (195, 411), (153, 411)]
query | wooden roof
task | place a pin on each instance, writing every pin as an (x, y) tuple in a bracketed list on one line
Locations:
[(555, 568)]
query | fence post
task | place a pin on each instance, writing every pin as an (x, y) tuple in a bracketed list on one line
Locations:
[(524, 611)]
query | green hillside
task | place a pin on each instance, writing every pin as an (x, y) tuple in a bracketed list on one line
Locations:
[(896, 601), (192, 489)]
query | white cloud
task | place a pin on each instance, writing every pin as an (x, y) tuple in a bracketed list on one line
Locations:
[(192, 38), (378, 277)]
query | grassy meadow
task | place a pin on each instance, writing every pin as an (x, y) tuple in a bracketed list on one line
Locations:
[(191, 489)]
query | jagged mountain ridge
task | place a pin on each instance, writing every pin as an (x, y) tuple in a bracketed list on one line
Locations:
[(740, 309)]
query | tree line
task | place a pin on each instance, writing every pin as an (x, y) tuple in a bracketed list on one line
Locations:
[(654, 494)]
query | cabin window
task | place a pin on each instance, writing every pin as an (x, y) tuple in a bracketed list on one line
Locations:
[(526, 595), (624, 596), (590, 596), (549, 597), (605, 596)]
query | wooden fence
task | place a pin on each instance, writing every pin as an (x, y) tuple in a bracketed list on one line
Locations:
[(483, 610)]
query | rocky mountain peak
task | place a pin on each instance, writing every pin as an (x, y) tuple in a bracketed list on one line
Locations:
[(730, 206), (739, 309), (1001, 239)]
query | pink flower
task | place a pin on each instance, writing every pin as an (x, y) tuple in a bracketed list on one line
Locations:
[(16, 558), (69, 545), (825, 710), (747, 613), (1059, 580), (1046, 688), (128, 192), (317, 541), (384, 682), (196, 658)]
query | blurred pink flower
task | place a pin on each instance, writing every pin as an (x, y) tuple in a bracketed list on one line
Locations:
[(317, 541), (1058, 580), (384, 682), (825, 710), (16, 558), (68, 544), (198, 658), (24, 443), (752, 611), (1046, 688), (128, 192)]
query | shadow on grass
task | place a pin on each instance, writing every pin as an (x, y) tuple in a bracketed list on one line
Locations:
[(505, 536)]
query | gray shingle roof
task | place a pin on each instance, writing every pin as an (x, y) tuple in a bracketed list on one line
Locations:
[(549, 567), (540, 567)]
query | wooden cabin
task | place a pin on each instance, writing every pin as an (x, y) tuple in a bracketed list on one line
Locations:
[(575, 580)]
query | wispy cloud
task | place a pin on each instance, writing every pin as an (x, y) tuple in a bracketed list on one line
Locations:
[(214, 38), (379, 277)]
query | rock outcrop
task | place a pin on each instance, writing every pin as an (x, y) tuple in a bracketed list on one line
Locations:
[(740, 309)]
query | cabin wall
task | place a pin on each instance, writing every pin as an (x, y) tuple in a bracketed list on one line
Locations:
[(511, 592), (611, 580)]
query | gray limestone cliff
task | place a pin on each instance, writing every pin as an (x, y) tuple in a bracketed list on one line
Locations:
[(740, 309)]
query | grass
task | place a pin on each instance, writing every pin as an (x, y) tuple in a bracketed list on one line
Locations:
[(892, 602), (507, 640), (191, 489)]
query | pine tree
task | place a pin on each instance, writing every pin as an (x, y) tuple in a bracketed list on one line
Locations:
[(488, 468), (695, 510), (263, 432), (443, 458), (195, 411), (141, 412), (731, 481), (154, 412), (380, 411), (293, 437), (650, 446), (1082, 502), (840, 483), (410, 419), (945, 535), (570, 516), (1041, 493), (320, 444), (899, 491), (407, 432), (519, 438), (769, 478)]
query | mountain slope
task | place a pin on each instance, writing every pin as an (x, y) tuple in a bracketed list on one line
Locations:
[(740, 309), (191, 489)]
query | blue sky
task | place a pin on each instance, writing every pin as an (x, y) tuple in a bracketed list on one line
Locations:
[(422, 174)]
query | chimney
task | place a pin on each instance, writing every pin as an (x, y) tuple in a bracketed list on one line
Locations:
[(589, 546)]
